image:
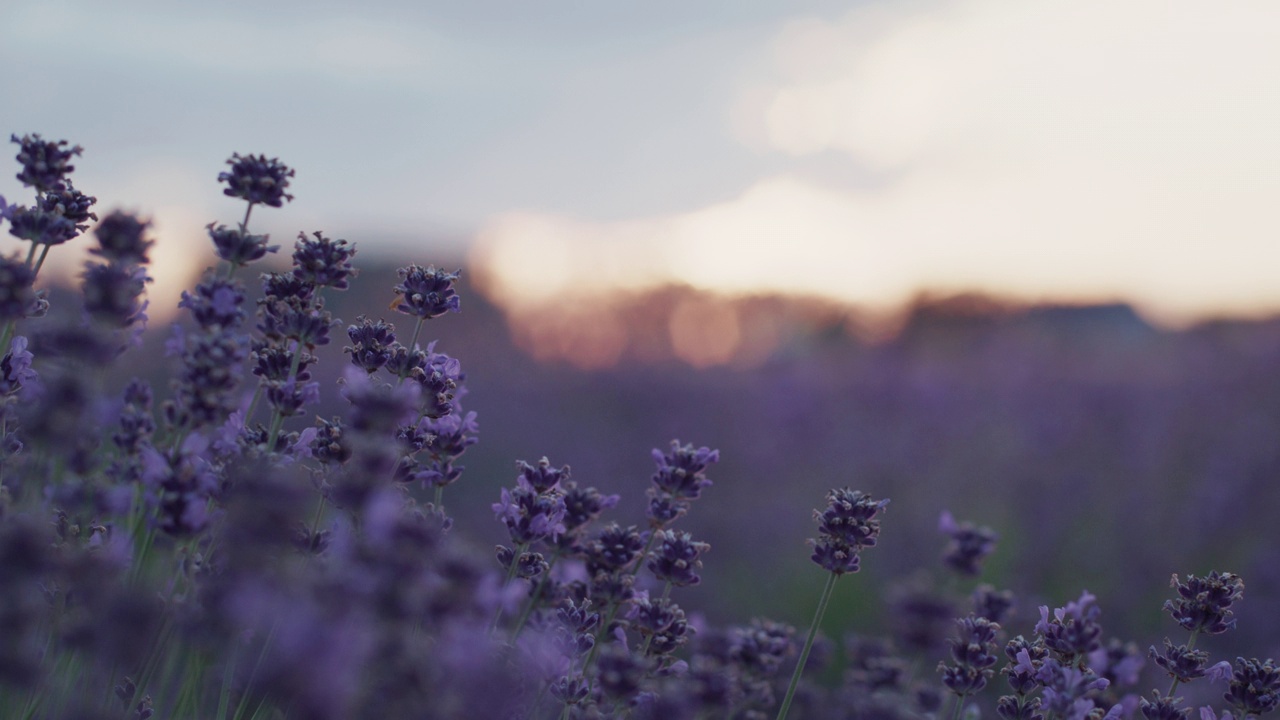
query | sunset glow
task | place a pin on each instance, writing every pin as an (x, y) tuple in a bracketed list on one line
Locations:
[(1025, 150)]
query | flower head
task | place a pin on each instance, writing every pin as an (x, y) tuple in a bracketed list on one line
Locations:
[(44, 163), (323, 262), (845, 527), (1074, 629), (236, 247), (969, 544), (426, 292), (40, 227), (676, 558), (1254, 687), (120, 239), (16, 295), (258, 180), (1204, 603), (63, 199)]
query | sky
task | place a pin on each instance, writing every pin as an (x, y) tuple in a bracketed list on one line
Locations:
[(1075, 150)]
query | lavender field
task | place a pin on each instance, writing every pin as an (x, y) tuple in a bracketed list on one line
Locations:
[(302, 502)]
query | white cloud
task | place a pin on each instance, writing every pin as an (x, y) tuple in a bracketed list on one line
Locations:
[(1050, 149)]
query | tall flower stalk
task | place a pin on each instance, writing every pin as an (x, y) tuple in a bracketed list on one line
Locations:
[(847, 526)]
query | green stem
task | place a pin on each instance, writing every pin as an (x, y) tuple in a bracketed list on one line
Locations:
[(44, 253), (808, 645)]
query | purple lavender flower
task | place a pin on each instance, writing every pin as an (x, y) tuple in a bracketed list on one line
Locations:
[(15, 368), (441, 378), (426, 292), (1025, 659), (845, 527), (973, 656), (583, 506), (257, 180), (542, 477), (272, 362), (180, 488), (614, 548), (1074, 629), (676, 558), (40, 227), (279, 320), (1181, 662), (136, 422), (1204, 603), (661, 622), (377, 408), (238, 248), (371, 343), (329, 445), (63, 199), (681, 472), (968, 546), (323, 262), (286, 287), (1068, 691), (1254, 688), (992, 604), (528, 514), (1163, 707), (121, 239), (113, 293), (44, 163), (208, 378)]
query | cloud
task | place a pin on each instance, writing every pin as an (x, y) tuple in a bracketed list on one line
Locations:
[(1058, 149)]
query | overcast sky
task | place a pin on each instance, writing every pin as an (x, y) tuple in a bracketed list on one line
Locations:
[(866, 150)]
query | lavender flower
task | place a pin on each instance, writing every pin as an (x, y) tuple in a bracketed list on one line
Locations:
[(681, 472), (992, 604), (112, 293), (16, 295), (614, 548), (371, 343), (44, 163), (1254, 688), (426, 292), (845, 527), (676, 559), (973, 656), (1181, 662), (40, 227), (121, 239), (1163, 707), (528, 514), (15, 368), (323, 262), (257, 180), (63, 199), (237, 247), (968, 545), (542, 477), (1074, 629), (1204, 603)]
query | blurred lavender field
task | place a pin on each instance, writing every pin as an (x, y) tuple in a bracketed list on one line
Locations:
[(1108, 454)]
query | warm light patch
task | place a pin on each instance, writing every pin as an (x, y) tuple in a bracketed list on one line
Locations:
[(705, 331), (1062, 151)]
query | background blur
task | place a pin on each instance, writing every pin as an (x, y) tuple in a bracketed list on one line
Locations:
[(1011, 259)]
